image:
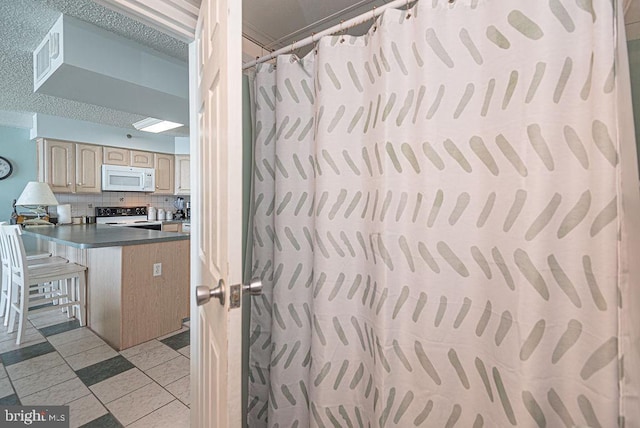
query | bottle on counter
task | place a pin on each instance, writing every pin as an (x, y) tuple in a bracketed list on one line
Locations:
[(14, 214)]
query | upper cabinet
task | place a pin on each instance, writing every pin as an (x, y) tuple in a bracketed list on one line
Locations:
[(77, 168), (126, 157), (165, 173), (183, 174), (56, 165), (69, 167), (88, 168), (116, 156), (141, 159)]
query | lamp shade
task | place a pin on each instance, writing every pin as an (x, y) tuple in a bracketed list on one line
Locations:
[(37, 193)]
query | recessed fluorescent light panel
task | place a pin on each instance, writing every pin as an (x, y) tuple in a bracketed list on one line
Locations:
[(154, 125)]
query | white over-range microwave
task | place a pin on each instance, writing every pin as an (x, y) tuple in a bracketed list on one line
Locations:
[(128, 179)]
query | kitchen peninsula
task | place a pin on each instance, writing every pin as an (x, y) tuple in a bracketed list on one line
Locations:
[(137, 279)]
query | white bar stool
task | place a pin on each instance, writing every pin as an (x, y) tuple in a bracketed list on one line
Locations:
[(33, 261), (68, 285)]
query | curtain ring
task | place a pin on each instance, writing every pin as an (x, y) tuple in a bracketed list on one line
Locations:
[(341, 31), (294, 56), (407, 10)]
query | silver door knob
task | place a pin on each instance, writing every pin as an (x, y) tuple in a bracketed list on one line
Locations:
[(204, 293), (254, 288)]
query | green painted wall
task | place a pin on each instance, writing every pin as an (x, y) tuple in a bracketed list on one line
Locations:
[(21, 152), (247, 162), (634, 66)]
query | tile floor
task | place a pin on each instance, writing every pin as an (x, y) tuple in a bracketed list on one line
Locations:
[(60, 363)]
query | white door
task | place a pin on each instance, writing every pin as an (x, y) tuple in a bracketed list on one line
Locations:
[(216, 247)]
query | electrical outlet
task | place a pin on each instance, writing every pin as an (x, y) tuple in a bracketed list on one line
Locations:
[(157, 269)]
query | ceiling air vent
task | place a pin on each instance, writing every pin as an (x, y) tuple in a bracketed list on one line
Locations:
[(54, 39), (43, 60)]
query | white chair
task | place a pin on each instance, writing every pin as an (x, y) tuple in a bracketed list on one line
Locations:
[(68, 285), (33, 261)]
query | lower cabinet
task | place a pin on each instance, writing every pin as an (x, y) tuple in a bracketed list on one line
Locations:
[(171, 227), (126, 304)]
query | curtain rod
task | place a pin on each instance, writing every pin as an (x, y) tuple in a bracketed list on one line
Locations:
[(360, 19), (308, 29)]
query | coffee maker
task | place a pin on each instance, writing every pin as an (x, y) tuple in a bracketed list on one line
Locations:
[(179, 204)]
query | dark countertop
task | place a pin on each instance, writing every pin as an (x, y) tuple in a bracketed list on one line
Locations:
[(99, 235)]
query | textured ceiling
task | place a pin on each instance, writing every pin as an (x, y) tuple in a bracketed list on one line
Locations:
[(270, 23), (23, 25)]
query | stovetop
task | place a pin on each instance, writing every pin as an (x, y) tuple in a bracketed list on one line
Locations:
[(120, 211), (125, 221), (123, 216)]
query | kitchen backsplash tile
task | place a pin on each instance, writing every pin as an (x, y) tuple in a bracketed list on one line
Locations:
[(84, 205)]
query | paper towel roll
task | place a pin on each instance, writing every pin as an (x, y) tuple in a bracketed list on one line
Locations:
[(64, 214)]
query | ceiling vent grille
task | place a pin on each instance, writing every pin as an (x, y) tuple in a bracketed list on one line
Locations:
[(43, 60), (54, 38)]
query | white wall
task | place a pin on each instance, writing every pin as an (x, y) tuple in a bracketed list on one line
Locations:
[(92, 48), (182, 146), (45, 126)]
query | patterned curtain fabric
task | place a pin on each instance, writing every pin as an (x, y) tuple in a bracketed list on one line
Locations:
[(438, 223)]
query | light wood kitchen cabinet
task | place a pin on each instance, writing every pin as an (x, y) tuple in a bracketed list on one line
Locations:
[(88, 168), (126, 304), (70, 167), (56, 165), (171, 227), (116, 156), (126, 157), (141, 159), (183, 174), (165, 173)]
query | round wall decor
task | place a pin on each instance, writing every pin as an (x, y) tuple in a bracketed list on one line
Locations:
[(5, 168)]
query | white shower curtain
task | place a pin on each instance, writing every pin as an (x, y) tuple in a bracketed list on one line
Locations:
[(442, 219)]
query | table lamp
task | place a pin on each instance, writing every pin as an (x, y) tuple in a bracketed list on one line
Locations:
[(36, 196)]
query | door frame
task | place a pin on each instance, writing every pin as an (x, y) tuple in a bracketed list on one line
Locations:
[(178, 19)]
